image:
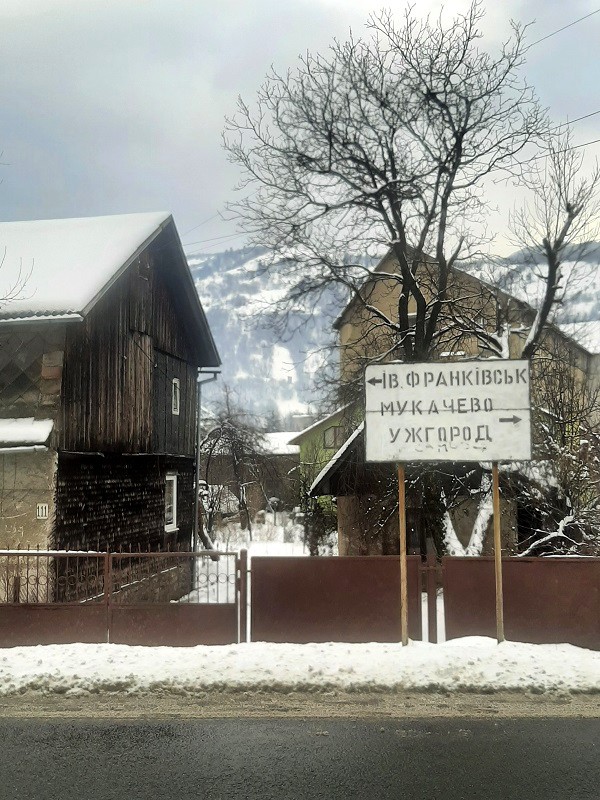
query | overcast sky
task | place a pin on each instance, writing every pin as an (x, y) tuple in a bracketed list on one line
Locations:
[(113, 106)]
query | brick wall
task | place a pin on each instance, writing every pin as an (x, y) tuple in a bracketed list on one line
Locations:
[(119, 501)]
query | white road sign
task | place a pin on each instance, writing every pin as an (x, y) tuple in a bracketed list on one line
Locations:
[(460, 411)]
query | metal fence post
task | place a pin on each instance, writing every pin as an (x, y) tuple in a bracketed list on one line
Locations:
[(107, 591), (242, 566)]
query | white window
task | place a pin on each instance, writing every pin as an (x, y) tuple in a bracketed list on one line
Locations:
[(175, 396), (171, 502)]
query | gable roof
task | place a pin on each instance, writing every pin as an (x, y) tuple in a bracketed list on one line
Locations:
[(298, 438), (60, 268), (63, 266), (584, 335), (322, 484)]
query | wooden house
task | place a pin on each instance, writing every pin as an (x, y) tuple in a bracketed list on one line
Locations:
[(102, 335)]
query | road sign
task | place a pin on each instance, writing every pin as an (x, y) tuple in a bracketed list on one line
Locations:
[(460, 411)]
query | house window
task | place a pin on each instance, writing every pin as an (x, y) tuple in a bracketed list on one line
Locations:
[(171, 502), (333, 438), (175, 396)]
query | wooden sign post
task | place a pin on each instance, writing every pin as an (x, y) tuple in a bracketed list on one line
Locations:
[(403, 569), (464, 411), (497, 554)]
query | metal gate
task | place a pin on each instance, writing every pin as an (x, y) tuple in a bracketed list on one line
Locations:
[(136, 598)]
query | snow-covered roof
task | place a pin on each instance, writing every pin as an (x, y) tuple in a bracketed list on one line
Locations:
[(586, 334), (278, 444), (25, 431), (62, 266)]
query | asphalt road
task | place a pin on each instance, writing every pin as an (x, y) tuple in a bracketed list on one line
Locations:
[(528, 759)]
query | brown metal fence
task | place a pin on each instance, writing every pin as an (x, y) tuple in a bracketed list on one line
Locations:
[(332, 599), (546, 600), (184, 598), (157, 598)]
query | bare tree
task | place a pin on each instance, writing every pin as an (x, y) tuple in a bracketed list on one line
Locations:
[(237, 463), (384, 145), (560, 492), (560, 222), (367, 169)]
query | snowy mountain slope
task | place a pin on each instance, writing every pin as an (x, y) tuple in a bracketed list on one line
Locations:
[(272, 376), (266, 374)]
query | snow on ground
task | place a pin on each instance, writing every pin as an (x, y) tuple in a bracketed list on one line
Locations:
[(276, 535), (472, 664)]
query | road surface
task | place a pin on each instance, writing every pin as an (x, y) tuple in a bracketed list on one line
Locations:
[(373, 754)]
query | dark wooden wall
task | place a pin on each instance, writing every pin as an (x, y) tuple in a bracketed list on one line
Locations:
[(173, 433), (119, 366), (111, 501)]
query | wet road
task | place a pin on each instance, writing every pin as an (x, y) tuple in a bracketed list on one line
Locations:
[(529, 759)]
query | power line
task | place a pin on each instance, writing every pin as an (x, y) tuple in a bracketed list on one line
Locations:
[(564, 27), (566, 149), (577, 119), (215, 238), (200, 224)]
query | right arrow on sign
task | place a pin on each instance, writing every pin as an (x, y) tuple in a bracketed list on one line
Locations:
[(513, 419)]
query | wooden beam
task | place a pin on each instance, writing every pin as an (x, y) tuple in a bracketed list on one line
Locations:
[(403, 566), (498, 554)]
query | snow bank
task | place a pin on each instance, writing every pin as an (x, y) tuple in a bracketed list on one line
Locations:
[(463, 665)]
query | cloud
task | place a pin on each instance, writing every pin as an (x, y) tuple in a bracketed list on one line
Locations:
[(118, 105)]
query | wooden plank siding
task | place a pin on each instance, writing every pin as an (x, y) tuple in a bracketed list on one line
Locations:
[(173, 433), (119, 367)]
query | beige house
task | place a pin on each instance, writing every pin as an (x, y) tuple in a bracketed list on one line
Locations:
[(367, 493)]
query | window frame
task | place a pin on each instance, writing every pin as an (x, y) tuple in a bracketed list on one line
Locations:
[(171, 478), (338, 437), (175, 396)]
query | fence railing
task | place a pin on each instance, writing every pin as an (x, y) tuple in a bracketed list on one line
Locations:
[(193, 598), (82, 577)]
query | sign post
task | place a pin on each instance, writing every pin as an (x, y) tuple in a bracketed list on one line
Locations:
[(403, 565), (497, 554), (461, 412)]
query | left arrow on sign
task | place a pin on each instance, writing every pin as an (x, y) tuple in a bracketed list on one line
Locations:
[(374, 381)]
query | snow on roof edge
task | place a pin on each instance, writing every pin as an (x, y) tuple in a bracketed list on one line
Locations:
[(279, 443), (335, 458), (17, 431), (319, 422)]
